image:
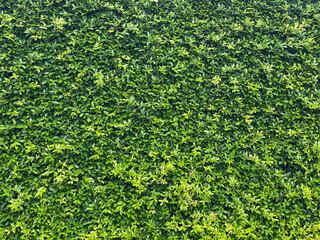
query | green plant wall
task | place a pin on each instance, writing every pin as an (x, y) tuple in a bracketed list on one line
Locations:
[(163, 119)]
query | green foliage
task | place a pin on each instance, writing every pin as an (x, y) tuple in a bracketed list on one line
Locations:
[(159, 119)]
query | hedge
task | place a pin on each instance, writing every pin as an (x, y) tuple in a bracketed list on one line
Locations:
[(159, 119)]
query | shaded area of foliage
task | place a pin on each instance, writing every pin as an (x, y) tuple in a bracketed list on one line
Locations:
[(159, 119)]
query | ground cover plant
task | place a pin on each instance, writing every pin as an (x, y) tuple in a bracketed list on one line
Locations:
[(159, 119)]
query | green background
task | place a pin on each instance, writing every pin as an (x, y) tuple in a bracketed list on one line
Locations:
[(159, 119)]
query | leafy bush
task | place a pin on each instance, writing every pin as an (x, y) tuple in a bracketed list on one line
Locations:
[(159, 119)]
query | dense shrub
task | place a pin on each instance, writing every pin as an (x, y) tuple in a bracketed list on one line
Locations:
[(163, 119)]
